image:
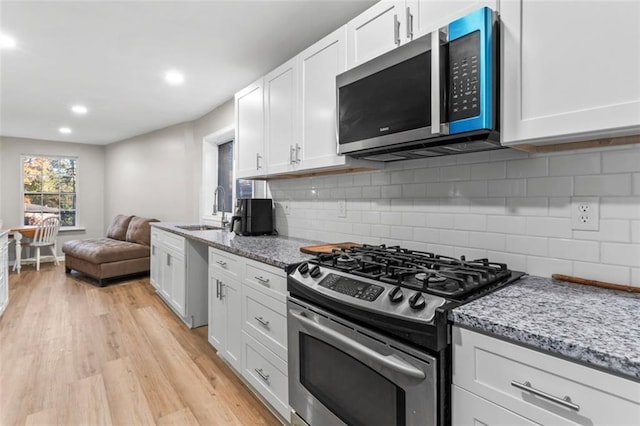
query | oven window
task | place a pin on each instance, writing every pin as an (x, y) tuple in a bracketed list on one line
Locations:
[(355, 393)]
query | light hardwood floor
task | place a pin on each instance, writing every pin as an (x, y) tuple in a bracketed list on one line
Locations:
[(72, 353)]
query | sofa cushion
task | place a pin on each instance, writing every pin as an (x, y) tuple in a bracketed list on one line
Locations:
[(139, 230), (104, 250), (118, 228)]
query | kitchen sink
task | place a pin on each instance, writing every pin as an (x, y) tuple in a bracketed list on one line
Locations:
[(199, 227)]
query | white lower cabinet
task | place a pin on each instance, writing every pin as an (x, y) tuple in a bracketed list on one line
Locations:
[(535, 386), (4, 272), (179, 275), (248, 323), (470, 409)]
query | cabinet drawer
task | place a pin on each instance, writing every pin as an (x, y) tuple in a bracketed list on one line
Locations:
[(266, 373), (265, 320), (268, 280), (225, 263), (469, 409), (497, 370), (173, 241)]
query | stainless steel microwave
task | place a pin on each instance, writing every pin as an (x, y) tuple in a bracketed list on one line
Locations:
[(435, 95)]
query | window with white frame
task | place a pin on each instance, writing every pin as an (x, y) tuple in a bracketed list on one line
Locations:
[(49, 188), (243, 189)]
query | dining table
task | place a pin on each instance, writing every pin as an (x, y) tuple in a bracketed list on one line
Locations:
[(17, 234)]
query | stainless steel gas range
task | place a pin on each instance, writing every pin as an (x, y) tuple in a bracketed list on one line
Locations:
[(368, 334)]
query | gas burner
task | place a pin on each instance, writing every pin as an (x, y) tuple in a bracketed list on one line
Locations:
[(429, 277), (345, 260)]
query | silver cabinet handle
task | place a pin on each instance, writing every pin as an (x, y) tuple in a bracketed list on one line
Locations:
[(409, 24), (217, 289), (221, 263), (258, 158), (262, 374), (153, 250), (263, 281), (168, 259), (396, 30), (292, 151), (262, 321), (298, 147), (357, 349), (566, 401), (222, 285)]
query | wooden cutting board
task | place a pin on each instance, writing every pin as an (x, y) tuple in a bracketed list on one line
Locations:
[(327, 248), (595, 283)]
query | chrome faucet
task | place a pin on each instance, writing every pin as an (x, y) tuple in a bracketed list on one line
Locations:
[(224, 221)]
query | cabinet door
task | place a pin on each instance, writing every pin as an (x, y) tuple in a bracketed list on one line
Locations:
[(217, 315), (570, 70), (377, 30), (249, 142), (233, 304), (178, 283), (429, 15), (281, 121), (469, 409), (165, 274), (319, 65), (4, 274), (156, 263)]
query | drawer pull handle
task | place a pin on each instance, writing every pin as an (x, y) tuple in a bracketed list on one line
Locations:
[(566, 401), (221, 263), (263, 281), (262, 375), (262, 321)]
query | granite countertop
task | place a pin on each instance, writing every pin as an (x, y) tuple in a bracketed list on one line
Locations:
[(594, 326), (274, 250)]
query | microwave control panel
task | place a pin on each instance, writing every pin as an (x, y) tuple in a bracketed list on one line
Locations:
[(464, 80)]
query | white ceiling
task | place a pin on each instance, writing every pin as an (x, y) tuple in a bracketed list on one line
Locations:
[(112, 56)]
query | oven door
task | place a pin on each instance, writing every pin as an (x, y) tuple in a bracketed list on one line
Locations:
[(340, 373)]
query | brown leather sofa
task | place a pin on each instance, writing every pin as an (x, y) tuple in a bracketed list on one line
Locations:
[(124, 251)]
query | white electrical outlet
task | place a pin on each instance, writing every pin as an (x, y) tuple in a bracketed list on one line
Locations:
[(286, 206), (585, 213), (342, 208)]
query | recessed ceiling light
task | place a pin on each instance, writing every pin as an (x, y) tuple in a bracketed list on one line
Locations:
[(7, 42), (79, 109), (64, 130), (174, 77)]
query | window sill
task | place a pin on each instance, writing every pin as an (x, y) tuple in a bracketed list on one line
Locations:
[(71, 229)]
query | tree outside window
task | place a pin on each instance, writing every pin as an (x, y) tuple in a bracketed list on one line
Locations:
[(49, 189)]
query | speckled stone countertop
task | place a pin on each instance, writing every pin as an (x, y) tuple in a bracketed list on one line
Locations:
[(594, 326), (274, 250)]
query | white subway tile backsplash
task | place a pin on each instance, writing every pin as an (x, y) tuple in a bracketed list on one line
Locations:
[(495, 206), (402, 204), (495, 170), (620, 208), (338, 193), (636, 183), (586, 251), (635, 277), (426, 175), (621, 254), (549, 186), (428, 235), (635, 231), (610, 230), (536, 246), (474, 157), (537, 206), (426, 205), (372, 217), (414, 219), (575, 164), (516, 262), (606, 185), (507, 188), (469, 253), (371, 192), (446, 160), (345, 180), (508, 154), (362, 179), (470, 222), (454, 205), (381, 231), (353, 192), (442, 249), (471, 189), (507, 224), (558, 227), (380, 178), (403, 176), (454, 238), (602, 272), (414, 190), (390, 218), (531, 167), (453, 173), (437, 220), (391, 191), (441, 190), (487, 241), (560, 206), (621, 161), (362, 229), (381, 205), (402, 232), (545, 267)]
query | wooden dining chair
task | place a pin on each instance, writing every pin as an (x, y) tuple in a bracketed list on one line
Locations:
[(45, 236)]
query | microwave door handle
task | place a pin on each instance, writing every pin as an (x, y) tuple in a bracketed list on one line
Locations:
[(435, 82), (358, 349)]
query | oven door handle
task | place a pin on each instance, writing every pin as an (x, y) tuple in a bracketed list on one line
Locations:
[(393, 363)]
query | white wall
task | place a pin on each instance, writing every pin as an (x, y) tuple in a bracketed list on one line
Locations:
[(507, 205), (90, 201)]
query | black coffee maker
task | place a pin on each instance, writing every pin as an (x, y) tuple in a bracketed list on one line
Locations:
[(253, 216)]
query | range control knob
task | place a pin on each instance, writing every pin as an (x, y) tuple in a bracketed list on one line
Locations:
[(315, 271), (304, 268), (395, 295), (416, 301)]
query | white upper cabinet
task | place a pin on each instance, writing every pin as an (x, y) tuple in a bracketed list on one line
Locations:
[(249, 141), (319, 65), (429, 15), (377, 30), (281, 120), (571, 70)]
